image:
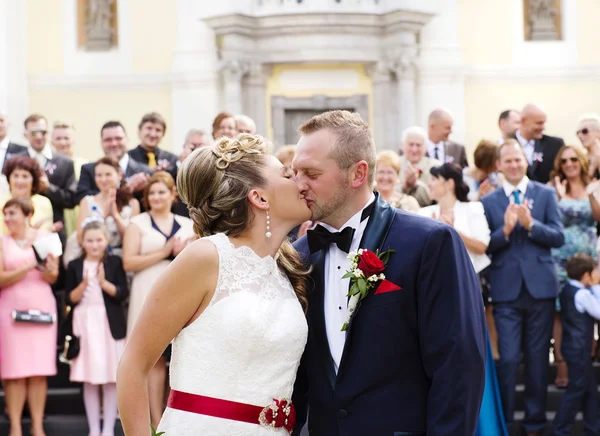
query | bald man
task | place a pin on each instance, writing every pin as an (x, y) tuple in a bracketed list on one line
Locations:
[(540, 149), (438, 145)]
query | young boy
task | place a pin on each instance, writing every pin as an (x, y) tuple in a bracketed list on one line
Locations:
[(580, 307)]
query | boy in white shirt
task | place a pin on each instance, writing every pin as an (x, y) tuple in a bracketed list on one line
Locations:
[(580, 308)]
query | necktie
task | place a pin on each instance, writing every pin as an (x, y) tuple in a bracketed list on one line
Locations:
[(319, 238), (517, 196), (151, 159), (436, 154)]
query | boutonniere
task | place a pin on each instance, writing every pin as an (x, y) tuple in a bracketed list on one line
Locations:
[(154, 433), (449, 159), (50, 168), (366, 271), (164, 163), (529, 202), (538, 156)]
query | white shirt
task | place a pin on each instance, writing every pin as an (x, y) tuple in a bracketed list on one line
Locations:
[(123, 162), (528, 146), (4, 188), (587, 300), (441, 150), (43, 157), (469, 219), (336, 288), (522, 186)]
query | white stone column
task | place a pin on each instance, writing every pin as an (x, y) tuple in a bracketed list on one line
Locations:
[(255, 102), (232, 72), (406, 97), (14, 98), (383, 108), (194, 94)]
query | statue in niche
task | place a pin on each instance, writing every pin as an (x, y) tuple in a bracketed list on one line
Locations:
[(99, 24), (541, 20)]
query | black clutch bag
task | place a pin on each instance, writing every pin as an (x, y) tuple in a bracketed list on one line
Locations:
[(70, 349), (33, 316)]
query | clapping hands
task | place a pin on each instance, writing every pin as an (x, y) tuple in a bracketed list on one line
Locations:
[(517, 213)]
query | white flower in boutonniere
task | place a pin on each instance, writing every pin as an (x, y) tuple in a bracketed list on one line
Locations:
[(366, 270)]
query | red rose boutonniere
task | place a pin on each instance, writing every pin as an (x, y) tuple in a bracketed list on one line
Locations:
[(366, 270)]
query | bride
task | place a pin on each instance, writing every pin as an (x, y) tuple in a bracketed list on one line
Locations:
[(231, 302)]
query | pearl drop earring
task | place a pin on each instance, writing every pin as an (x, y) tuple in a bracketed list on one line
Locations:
[(268, 234)]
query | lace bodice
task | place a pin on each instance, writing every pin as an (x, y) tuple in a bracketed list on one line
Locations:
[(245, 347)]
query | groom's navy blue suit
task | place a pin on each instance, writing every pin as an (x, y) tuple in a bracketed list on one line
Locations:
[(414, 359)]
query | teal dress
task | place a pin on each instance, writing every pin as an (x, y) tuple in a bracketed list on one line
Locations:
[(580, 234), (491, 418)]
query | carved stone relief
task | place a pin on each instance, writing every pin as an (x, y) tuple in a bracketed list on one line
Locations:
[(99, 24), (542, 20)]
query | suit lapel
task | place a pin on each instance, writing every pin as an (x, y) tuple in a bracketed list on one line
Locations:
[(535, 164), (317, 314), (375, 234)]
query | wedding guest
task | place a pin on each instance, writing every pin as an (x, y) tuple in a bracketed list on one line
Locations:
[(23, 174), (439, 146), (540, 150), (28, 349), (195, 138), (8, 149), (58, 181), (151, 131), (245, 124), (96, 286), (115, 144), (387, 173), (415, 165), (63, 141), (113, 204), (452, 206), (580, 303), (224, 125), (525, 225), (580, 211), (508, 123), (285, 155), (483, 178), (151, 241), (588, 132)]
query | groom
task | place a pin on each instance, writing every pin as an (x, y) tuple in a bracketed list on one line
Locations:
[(412, 360)]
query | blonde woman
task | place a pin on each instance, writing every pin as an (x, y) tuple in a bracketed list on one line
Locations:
[(387, 173)]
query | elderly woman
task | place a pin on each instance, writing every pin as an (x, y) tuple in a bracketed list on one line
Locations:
[(23, 174), (387, 173), (416, 165)]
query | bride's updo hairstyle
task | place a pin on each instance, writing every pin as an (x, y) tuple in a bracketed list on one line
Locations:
[(215, 181)]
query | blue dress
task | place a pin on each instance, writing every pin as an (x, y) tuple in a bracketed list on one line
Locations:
[(491, 418)]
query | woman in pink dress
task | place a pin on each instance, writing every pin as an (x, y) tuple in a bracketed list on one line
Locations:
[(96, 286), (28, 349)]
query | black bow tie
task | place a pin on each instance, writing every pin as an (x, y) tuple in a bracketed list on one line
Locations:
[(320, 237)]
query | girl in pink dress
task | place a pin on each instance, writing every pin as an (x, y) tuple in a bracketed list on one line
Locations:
[(28, 349), (96, 285)]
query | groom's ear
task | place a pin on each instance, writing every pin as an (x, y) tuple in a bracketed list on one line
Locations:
[(359, 174), (258, 200)]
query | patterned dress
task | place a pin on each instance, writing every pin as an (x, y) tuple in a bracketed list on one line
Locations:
[(579, 231)]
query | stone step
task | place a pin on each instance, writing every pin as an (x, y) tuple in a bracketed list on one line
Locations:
[(59, 425), (517, 428), (552, 373)]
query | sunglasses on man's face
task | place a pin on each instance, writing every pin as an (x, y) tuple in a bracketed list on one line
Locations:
[(35, 132), (572, 159), (583, 131)]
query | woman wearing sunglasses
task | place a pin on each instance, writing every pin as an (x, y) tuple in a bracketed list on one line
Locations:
[(588, 132), (580, 211)]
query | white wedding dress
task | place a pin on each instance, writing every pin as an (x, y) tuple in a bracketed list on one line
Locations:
[(245, 347)]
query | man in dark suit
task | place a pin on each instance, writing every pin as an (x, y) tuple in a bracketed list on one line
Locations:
[(114, 144), (540, 150), (525, 224), (438, 145), (151, 131), (59, 182), (413, 359), (8, 148)]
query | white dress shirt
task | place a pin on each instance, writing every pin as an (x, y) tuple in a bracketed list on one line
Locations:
[(441, 150), (336, 288), (587, 300), (522, 186), (469, 219), (43, 157), (528, 146), (123, 162)]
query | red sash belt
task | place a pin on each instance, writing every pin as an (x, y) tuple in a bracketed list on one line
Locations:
[(280, 413)]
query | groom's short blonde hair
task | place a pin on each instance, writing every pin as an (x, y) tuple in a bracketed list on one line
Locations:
[(354, 141)]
